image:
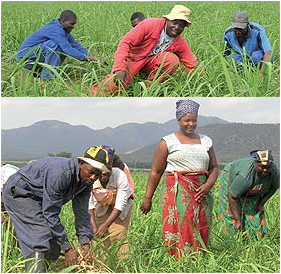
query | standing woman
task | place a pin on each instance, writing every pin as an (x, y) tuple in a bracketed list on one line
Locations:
[(190, 166), (245, 186)]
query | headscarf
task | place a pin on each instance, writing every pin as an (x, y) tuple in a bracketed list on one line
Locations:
[(110, 152), (186, 106), (263, 156)]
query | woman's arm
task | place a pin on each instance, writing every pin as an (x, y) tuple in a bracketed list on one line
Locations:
[(235, 211), (265, 198), (157, 170), (103, 228), (204, 189)]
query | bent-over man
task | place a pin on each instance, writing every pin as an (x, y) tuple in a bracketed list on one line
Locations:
[(34, 197), (51, 44), (155, 44), (244, 38)]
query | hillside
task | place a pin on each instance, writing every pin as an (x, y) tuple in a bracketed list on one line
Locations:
[(135, 142), (231, 141)]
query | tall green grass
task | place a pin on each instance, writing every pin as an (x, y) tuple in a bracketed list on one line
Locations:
[(225, 254), (100, 27)]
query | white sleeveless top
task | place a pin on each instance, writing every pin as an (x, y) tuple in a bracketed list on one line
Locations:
[(187, 157)]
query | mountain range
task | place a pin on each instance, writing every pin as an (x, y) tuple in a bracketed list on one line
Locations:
[(134, 142)]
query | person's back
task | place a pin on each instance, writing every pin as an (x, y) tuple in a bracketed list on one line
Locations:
[(40, 35), (6, 171), (42, 170)]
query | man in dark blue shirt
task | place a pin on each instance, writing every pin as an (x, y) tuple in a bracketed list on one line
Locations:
[(34, 196), (52, 43), (244, 38)]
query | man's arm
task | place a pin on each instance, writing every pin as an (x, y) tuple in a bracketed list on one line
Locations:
[(80, 204), (132, 39), (227, 48), (185, 55), (57, 34), (51, 206), (266, 58), (79, 47)]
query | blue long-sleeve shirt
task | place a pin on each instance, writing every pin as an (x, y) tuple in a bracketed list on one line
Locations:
[(54, 181), (256, 40), (53, 31)]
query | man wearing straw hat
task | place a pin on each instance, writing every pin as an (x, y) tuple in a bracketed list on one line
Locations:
[(34, 197), (155, 47), (247, 41)]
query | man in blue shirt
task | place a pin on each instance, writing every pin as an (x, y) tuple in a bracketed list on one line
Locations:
[(35, 195), (51, 44), (248, 39)]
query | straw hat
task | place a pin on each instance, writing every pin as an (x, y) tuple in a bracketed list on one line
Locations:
[(179, 12)]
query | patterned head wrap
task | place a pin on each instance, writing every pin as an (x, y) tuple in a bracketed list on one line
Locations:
[(263, 156), (186, 106), (110, 151)]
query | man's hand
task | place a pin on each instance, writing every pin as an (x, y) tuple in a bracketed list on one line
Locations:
[(71, 257), (91, 58), (120, 74), (85, 250)]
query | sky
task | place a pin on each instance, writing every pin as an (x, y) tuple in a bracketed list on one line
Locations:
[(99, 113)]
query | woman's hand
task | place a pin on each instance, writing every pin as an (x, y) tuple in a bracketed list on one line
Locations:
[(202, 192), (238, 225), (146, 205), (102, 230), (71, 257), (259, 208)]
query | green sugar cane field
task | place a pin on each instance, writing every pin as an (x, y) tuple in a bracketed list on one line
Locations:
[(100, 27), (226, 253)]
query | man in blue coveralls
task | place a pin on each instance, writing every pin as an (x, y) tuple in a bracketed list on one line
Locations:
[(34, 196), (52, 43), (247, 36)]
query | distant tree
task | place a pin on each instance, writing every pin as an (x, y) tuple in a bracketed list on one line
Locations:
[(61, 154)]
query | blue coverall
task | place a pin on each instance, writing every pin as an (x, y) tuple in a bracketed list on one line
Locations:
[(34, 197), (255, 45), (53, 43)]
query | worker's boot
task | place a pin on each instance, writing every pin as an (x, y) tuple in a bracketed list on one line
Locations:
[(36, 263)]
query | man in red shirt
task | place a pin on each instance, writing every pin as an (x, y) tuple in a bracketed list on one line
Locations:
[(155, 46)]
